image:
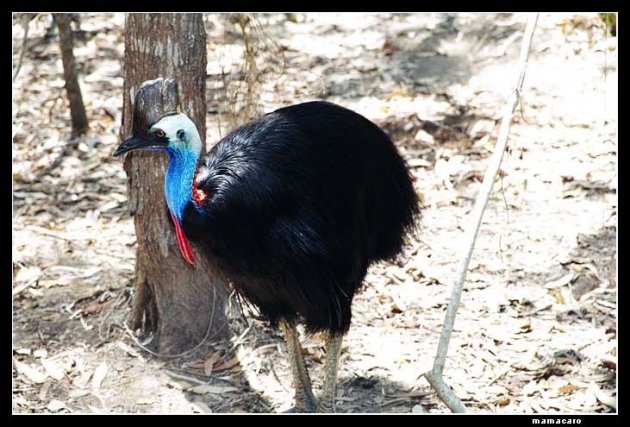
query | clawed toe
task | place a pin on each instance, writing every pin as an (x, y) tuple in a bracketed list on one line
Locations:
[(308, 408)]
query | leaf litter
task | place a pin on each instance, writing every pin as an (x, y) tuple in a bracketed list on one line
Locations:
[(536, 331)]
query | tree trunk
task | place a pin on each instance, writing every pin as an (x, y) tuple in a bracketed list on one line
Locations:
[(179, 304), (77, 109)]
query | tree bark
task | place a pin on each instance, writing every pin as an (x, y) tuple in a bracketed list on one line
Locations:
[(77, 109), (178, 304)]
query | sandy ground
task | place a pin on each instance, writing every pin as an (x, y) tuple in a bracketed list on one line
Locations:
[(537, 326)]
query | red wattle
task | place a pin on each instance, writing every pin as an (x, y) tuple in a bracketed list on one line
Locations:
[(183, 242)]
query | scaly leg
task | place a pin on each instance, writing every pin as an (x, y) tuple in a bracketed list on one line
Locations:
[(333, 353), (304, 399)]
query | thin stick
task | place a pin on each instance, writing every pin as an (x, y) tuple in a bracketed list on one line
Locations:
[(434, 376), (26, 19)]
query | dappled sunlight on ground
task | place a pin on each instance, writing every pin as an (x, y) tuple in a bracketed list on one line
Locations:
[(536, 331)]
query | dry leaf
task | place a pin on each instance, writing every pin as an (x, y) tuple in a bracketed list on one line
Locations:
[(603, 397), (199, 364), (99, 375), (213, 389), (525, 327), (567, 389), (210, 361), (395, 309), (52, 369), (32, 374), (95, 307), (82, 380), (407, 395), (227, 364), (28, 275), (43, 392), (77, 392), (562, 281)]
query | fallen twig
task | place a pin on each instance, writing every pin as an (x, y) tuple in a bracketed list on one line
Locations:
[(26, 19), (434, 376)]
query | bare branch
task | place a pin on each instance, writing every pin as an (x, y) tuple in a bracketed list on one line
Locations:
[(78, 115), (434, 376), (26, 19)]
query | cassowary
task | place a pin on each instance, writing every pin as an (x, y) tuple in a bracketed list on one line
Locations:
[(293, 207)]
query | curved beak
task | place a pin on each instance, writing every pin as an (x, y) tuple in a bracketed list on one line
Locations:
[(148, 142)]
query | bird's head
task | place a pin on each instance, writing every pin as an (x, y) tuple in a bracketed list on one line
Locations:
[(174, 133), (177, 135)]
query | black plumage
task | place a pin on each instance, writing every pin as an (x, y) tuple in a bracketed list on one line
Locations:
[(295, 206)]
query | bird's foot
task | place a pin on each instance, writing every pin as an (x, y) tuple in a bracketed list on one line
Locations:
[(312, 408), (305, 407), (301, 410), (326, 407)]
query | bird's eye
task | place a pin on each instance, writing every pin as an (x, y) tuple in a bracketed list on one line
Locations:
[(160, 133)]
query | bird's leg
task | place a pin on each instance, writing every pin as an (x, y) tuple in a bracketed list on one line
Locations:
[(333, 353), (304, 399)]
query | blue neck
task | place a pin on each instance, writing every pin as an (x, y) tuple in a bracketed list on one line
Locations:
[(179, 179)]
